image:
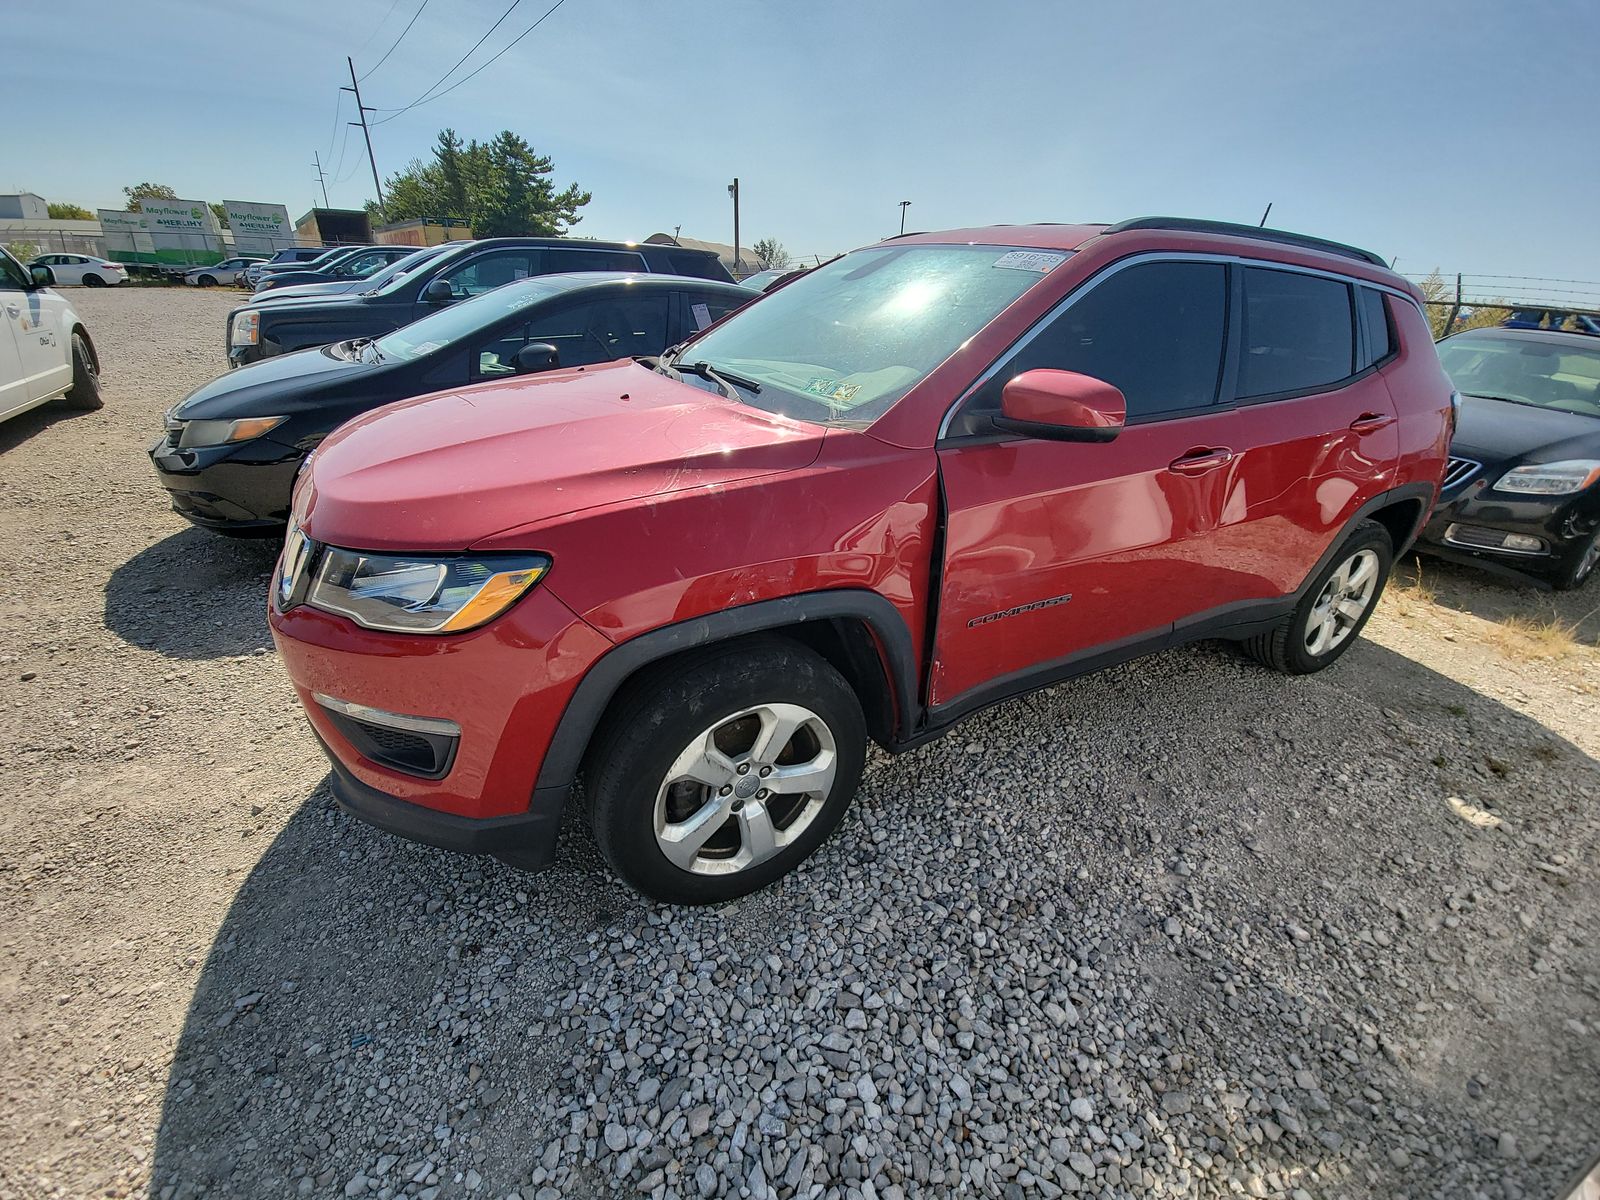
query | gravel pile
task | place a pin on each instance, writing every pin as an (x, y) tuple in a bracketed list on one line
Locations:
[(1182, 929)]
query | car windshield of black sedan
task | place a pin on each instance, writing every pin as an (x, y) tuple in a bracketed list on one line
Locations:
[(843, 343), (449, 325), (1531, 370)]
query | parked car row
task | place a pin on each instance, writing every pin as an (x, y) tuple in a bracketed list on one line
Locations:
[(557, 508)]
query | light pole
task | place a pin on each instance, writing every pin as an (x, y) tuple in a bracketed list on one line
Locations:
[(904, 204), (733, 190)]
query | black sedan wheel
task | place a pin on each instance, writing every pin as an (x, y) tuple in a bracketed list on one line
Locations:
[(1580, 565)]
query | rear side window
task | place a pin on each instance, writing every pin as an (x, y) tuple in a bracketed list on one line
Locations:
[(1298, 333), (696, 266), (1374, 326), (705, 309), (558, 259), (1155, 331)]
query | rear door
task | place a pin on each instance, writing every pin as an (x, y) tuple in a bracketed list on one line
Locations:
[(1055, 549), (1312, 424)]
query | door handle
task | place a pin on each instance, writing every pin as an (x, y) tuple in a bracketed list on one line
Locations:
[(1371, 422), (13, 309), (1198, 462)]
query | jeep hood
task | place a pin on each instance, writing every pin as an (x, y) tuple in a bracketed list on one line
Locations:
[(443, 472)]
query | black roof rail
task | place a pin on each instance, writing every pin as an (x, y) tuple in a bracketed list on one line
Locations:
[(1229, 229)]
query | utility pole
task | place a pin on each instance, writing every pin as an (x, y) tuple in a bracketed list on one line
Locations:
[(733, 190), (904, 204), (361, 111), (316, 161)]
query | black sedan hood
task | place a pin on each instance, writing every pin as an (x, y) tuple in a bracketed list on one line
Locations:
[(1502, 431), (285, 383)]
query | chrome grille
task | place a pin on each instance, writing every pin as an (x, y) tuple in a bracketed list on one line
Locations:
[(1458, 470)]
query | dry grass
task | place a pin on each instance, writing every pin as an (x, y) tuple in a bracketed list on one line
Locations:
[(1519, 636), (1409, 592)]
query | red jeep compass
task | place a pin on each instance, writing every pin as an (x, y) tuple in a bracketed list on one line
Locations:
[(926, 477)]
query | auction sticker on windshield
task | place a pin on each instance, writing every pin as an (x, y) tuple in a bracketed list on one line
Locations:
[(1030, 260)]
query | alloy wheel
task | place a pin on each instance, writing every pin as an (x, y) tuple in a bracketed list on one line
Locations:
[(745, 788), (1342, 603)]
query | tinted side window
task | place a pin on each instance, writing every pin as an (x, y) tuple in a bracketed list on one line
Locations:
[(1374, 325), (1154, 330), (489, 271), (1298, 332), (588, 332), (696, 266), (562, 259)]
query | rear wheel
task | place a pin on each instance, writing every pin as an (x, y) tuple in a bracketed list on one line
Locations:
[(1333, 610), (1580, 565), (715, 779), (92, 280), (85, 390)]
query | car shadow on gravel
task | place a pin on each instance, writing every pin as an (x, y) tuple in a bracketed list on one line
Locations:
[(15, 431), (194, 595), (377, 1009)]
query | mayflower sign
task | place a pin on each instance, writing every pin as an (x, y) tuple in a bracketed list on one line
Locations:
[(171, 233), (258, 228)]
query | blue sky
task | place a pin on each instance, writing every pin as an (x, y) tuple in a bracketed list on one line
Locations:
[(1453, 135)]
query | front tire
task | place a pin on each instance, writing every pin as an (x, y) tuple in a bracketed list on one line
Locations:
[(715, 777), (85, 390), (1580, 565), (207, 281), (1333, 610)]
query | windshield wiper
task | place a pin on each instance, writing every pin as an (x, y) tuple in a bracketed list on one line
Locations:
[(723, 379)]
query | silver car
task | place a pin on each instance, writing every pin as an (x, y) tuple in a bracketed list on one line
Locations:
[(227, 271)]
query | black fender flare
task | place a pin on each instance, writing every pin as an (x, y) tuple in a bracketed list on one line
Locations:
[(600, 684)]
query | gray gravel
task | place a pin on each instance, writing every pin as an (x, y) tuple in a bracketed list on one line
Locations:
[(1186, 928)]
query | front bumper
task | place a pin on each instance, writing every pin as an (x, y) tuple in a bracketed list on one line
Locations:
[(243, 488), (1472, 524), (504, 686)]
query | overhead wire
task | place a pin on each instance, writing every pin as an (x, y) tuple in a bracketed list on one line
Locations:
[(432, 94), (396, 43)]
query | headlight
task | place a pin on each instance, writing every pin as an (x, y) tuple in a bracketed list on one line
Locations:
[(246, 328), (404, 594), (1551, 479), (220, 433)]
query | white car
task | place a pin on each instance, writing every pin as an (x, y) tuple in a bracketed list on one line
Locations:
[(45, 351), (228, 270), (85, 269)]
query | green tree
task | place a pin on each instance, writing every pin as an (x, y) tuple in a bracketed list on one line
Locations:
[(502, 187), (771, 255), (221, 214), (69, 212), (141, 192)]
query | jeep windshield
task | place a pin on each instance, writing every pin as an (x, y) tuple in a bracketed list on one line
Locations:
[(841, 344)]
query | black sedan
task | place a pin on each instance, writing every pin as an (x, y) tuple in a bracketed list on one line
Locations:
[(231, 450), (1523, 487), (262, 329)]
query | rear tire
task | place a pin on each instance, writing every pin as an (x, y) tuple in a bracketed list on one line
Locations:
[(1580, 565), (93, 281), (1333, 610), (85, 390), (738, 765)]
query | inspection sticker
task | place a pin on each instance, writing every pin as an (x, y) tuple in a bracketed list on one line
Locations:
[(832, 389), (1030, 260)]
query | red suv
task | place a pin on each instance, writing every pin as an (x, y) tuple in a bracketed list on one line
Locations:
[(929, 476)]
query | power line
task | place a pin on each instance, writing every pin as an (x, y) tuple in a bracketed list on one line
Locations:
[(425, 98), (397, 41), (394, 4), (338, 103), (457, 63)]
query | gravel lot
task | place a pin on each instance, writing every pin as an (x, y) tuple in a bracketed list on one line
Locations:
[(1186, 928)]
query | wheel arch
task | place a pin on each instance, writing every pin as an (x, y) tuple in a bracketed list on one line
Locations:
[(1401, 511), (94, 352), (859, 632)]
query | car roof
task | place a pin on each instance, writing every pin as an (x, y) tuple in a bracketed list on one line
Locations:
[(571, 281), (1553, 337), (1045, 237)]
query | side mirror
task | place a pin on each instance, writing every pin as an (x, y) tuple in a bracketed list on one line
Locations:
[(536, 357), (1061, 406), (41, 276), (438, 292)]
